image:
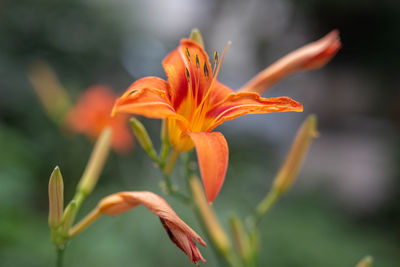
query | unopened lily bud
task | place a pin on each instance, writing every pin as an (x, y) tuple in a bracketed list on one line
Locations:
[(68, 218), (143, 138), (96, 162), (365, 262), (214, 228), (311, 56), (301, 144), (49, 90), (196, 36), (56, 198)]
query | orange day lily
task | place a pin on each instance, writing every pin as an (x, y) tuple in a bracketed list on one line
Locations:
[(194, 103), (178, 231), (92, 114)]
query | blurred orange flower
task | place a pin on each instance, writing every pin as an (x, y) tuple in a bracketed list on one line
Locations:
[(194, 103), (91, 115)]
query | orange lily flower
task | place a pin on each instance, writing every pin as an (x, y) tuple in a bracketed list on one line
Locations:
[(194, 103), (92, 114)]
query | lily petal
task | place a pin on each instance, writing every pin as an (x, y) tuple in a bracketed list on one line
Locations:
[(146, 97), (189, 72), (212, 154), (219, 92), (310, 56), (239, 104)]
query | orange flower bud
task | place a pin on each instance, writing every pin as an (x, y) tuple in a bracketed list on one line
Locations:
[(311, 56), (178, 231)]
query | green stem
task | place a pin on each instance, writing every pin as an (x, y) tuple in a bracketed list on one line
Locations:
[(265, 205), (167, 170), (169, 167), (60, 257)]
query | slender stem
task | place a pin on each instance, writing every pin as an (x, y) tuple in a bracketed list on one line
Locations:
[(265, 205), (167, 170), (60, 257), (169, 167), (85, 222)]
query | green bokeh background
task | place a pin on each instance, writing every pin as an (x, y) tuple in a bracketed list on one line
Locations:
[(84, 41)]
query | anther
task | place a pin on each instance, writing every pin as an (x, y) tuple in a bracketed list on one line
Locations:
[(197, 61), (187, 74), (133, 91), (187, 54), (216, 57), (206, 70)]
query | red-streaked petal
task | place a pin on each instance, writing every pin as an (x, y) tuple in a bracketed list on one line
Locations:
[(212, 154), (311, 56), (239, 104), (175, 65), (219, 92), (147, 97)]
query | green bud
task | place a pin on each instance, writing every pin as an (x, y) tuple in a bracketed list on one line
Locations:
[(96, 162), (56, 198), (195, 35), (68, 218), (143, 138)]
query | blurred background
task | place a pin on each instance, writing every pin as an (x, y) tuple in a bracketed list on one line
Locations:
[(346, 202)]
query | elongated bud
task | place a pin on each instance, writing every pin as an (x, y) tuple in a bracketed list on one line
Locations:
[(143, 138), (196, 36), (241, 239), (68, 218), (165, 145), (215, 230), (96, 162), (56, 198), (49, 90), (311, 56), (301, 144), (365, 262)]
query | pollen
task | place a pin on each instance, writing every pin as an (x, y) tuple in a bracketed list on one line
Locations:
[(216, 58), (206, 70), (187, 53), (187, 74), (197, 61)]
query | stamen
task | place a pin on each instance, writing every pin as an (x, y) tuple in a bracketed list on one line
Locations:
[(187, 74), (216, 58), (215, 75), (206, 71), (133, 91), (197, 61), (187, 54)]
